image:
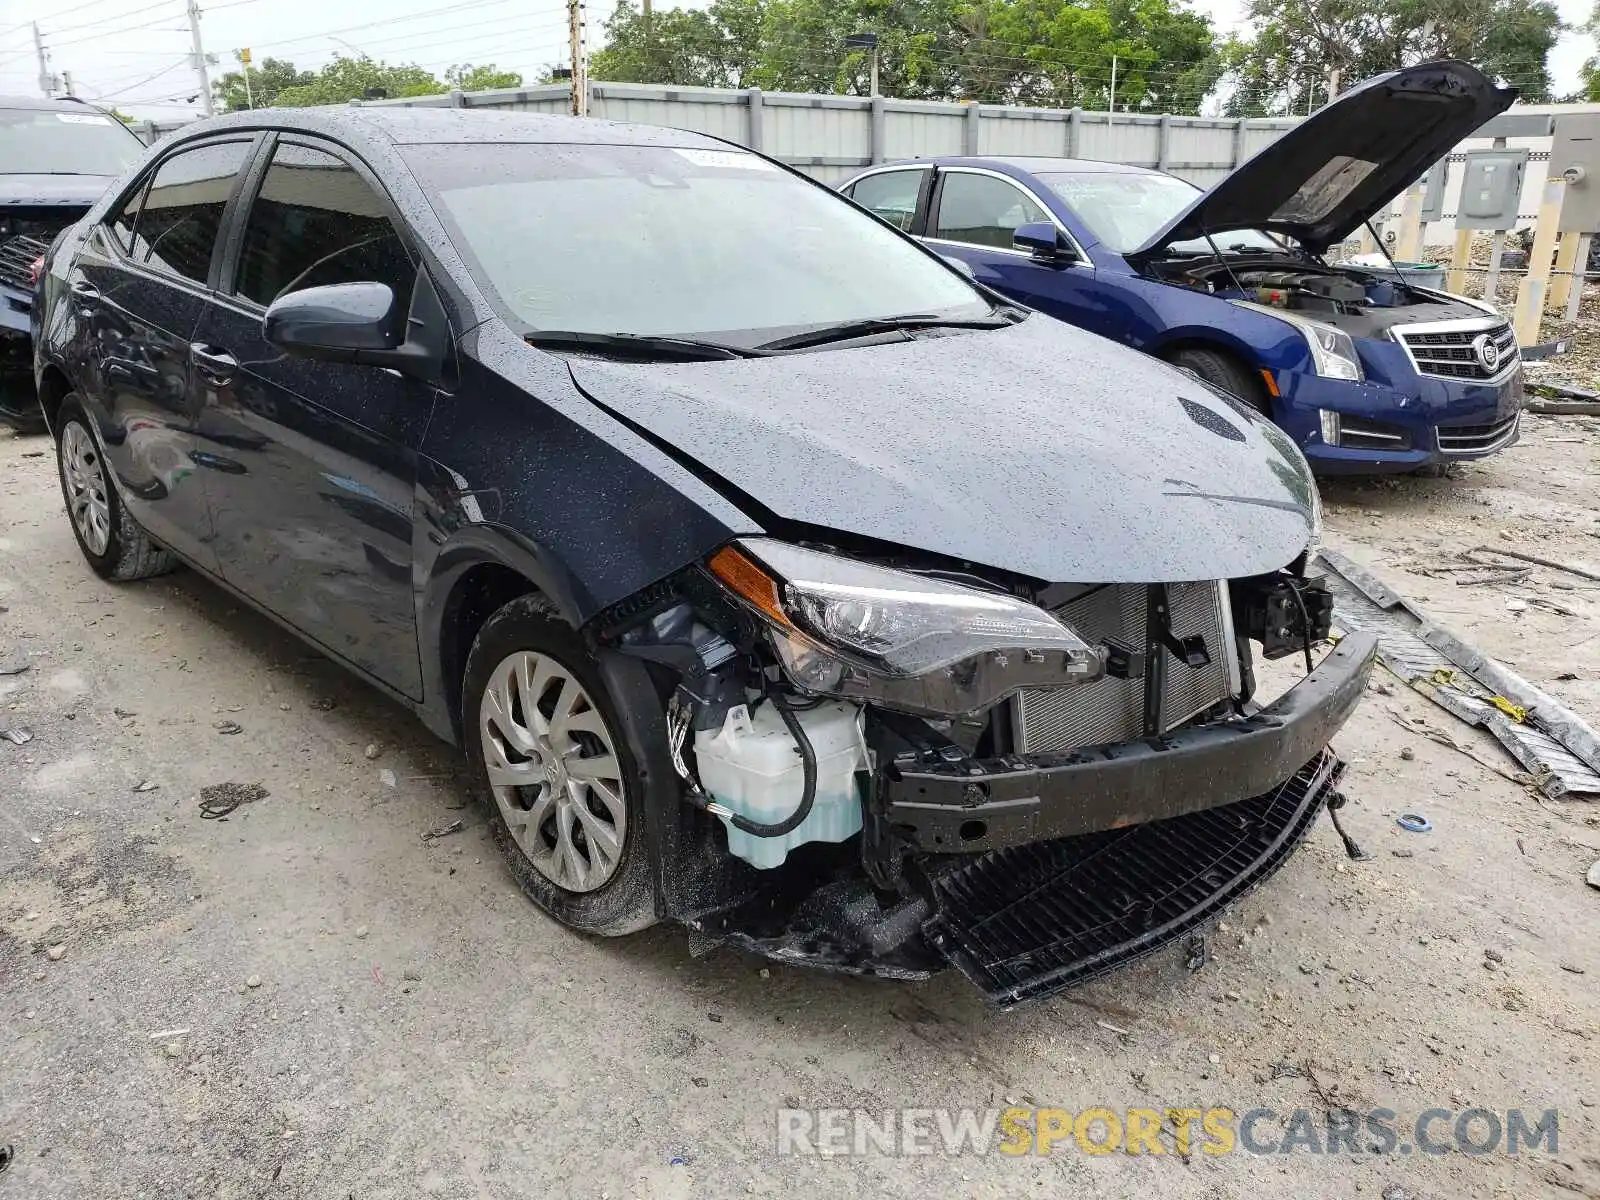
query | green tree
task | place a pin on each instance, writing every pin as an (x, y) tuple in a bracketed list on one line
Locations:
[(268, 79), (481, 79), (1285, 65), (347, 79)]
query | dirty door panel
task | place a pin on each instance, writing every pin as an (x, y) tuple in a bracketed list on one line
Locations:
[(139, 285), (312, 465)]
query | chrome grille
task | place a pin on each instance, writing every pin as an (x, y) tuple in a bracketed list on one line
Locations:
[(1450, 353), (1112, 710), (1469, 439), (16, 257)]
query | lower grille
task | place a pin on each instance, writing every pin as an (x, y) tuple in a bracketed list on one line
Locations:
[(1468, 439), (1357, 433), (1051, 720), (16, 260), (1029, 921)]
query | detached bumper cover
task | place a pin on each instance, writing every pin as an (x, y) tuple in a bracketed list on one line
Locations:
[(962, 805), (1031, 921)]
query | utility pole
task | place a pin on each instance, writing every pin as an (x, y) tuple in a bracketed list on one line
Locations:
[(1113, 104), (244, 62), (580, 70), (66, 84), (199, 59), (47, 83)]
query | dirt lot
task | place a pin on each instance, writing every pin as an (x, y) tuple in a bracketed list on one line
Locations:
[(310, 1000)]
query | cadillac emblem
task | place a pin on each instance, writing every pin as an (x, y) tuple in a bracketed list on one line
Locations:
[(1486, 352)]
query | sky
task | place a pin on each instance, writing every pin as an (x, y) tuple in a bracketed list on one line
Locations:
[(134, 54)]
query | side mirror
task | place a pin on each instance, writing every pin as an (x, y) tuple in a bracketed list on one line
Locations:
[(366, 323), (1043, 241), (335, 323)]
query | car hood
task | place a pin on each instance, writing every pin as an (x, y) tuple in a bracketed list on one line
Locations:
[(77, 190), (1037, 449), (1330, 173)]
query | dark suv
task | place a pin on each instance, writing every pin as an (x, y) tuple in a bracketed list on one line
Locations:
[(774, 577), (56, 158)]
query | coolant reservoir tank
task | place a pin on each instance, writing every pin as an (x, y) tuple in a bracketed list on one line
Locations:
[(752, 767)]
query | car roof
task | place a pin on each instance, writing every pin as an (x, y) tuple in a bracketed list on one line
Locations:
[(47, 104), (1025, 162), (430, 126)]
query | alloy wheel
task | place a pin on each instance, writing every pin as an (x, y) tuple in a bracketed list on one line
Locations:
[(554, 772), (86, 487)]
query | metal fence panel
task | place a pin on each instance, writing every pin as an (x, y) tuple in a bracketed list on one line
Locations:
[(923, 130), (1124, 139)]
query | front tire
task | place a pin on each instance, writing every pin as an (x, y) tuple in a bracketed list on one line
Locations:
[(1227, 373), (111, 540), (549, 749)]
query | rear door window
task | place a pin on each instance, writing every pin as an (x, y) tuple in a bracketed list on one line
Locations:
[(181, 216), (892, 195), (317, 221), (982, 210)]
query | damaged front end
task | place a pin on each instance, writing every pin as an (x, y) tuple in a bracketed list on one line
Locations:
[(890, 766)]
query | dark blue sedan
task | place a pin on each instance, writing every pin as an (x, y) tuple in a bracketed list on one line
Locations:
[(1365, 372)]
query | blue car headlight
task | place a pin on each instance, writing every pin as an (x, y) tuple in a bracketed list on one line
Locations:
[(1333, 352)]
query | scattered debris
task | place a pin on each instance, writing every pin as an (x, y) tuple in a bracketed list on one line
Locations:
[(1117, 1029), (1494, 955), (1516, 606), (1402, 853), (1414, 823), (144, 785), (220, 799), (253, 982), (57, 952), (444, 831), (163, 1035), (386, 777), (1194, 952), (1579, 570), (8, 1155), (123, 713), (17, 735), (1572, 967), (14, 668), (361, 931), (229, 728), (1407, 753), (1593, 877), (324, 704), (372, 751)]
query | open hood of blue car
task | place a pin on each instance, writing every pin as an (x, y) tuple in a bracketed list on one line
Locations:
[(1324, 178)]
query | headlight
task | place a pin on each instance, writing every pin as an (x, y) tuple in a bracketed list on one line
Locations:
[(1333, 354), (911, 642)]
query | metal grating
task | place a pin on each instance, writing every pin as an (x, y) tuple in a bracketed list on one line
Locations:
[(1450, 354), (1029, 921), (1052, 720), (1469, 439), (16, 258)]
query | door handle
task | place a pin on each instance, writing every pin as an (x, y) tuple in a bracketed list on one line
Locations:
[(85, 296), (217, 366)]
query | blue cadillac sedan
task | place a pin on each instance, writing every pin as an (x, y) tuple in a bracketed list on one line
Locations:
[(1366, 372)]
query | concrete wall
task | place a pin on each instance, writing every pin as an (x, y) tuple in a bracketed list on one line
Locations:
[(832, 137)]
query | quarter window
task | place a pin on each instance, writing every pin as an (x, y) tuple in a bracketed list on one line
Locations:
[(315, 222), (892, 195), (983, 210), (178, 222)]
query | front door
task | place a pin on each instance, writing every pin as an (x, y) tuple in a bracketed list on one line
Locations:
[(139, 286), (313, 470), (973, 216)]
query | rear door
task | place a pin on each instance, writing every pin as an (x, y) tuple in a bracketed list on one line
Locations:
[(897, 194), (974, 214), (314, 464), (139, 286)]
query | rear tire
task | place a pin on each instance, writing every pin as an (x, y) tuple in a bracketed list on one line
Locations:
[(111, 540), (551, 752), (1224, 371)]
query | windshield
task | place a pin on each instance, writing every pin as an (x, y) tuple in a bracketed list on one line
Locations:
[(35, 142), (658, 241), (1124, 210)]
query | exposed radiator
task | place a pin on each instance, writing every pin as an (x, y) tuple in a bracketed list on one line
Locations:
[(1111, 710)]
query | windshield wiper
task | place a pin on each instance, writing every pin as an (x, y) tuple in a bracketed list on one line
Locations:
[(846, 330), (638, 343)]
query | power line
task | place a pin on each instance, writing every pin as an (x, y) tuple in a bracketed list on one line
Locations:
[(56, 32), (114, 33), (167, 70)]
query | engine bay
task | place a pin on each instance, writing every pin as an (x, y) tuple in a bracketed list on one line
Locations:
[(1360, 302)]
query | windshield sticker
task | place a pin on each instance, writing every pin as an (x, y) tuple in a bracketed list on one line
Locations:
[(83, 119), (1323, 192), (736, 159)]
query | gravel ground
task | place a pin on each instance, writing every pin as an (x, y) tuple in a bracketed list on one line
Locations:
[(311, 999)]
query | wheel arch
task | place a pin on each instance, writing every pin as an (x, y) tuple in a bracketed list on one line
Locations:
[(471, 576), (54, 387)]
